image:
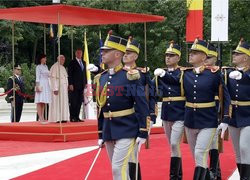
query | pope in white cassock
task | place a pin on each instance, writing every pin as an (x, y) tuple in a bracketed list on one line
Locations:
[(59, 106)]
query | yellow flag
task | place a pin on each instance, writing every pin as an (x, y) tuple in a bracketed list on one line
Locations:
[(60, 29), (86, 56)]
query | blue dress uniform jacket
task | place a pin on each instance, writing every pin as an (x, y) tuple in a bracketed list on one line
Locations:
[(148, 86), (170, 86), (239, 91), (122, 93), (202, 88), (20, 87)]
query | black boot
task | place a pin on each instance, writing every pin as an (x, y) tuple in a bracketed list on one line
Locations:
[(180, 171), (174, 168), (245, 172), (208, 176), (219, 172), (214, 160), (132, 171), (199, 173), (239, 168)]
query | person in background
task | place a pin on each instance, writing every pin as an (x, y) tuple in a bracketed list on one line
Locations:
[(77, 82), (42, 89), (214, 167), (59, 106), (129, 59), (173, 106), (16, 81)]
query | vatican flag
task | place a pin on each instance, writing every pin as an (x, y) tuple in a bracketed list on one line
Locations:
[(219, 21), (89, 105)]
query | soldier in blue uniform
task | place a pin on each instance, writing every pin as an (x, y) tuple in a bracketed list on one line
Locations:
[(214, 167), (17, 82), (173, 106), (201, 84), (238, 83), (117, 90), (129, 60)]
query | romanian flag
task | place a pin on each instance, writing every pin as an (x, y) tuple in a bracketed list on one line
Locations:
[(86, 56), (194, 20)]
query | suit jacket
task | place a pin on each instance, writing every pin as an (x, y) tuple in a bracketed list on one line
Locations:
[(77, 76), (20, 87)]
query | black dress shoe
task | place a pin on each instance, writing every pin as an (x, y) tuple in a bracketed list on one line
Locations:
[(61, 121), (80, 120), (73, 120)]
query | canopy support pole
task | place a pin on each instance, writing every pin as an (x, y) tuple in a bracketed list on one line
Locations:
[(58, 61), (45, 52), (13, 67), (72, 43)]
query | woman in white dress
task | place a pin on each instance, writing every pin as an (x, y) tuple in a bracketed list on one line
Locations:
[(43, 91)]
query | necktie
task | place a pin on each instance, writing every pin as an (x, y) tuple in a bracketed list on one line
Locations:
[(81, 65)]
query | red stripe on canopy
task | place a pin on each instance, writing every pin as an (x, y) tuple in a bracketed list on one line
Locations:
[(74, 15)]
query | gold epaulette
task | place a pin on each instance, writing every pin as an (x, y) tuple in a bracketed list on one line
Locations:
[(186, 68), (213, 69), (143, 70), (133, 74)]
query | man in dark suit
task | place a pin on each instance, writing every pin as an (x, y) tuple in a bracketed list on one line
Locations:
[(77, 81), (15, 98)]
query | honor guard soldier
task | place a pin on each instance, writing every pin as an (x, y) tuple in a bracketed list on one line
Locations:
[(215, 171), (117, 90), (201, 85), (129, 60), (238, 83), (173, 106), (16, 83)]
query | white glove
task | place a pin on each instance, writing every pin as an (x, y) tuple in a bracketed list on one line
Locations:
[(235, 75), (223, 127), (159, 72), (140, 141), (92, 68), (100, 142), (151, 125)]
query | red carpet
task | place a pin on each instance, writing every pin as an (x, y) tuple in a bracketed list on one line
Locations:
[(154, 164)]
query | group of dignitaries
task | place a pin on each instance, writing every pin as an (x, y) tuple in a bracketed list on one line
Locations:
[(192, 99)]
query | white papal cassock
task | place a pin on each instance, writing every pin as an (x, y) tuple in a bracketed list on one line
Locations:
[(56, 112)]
